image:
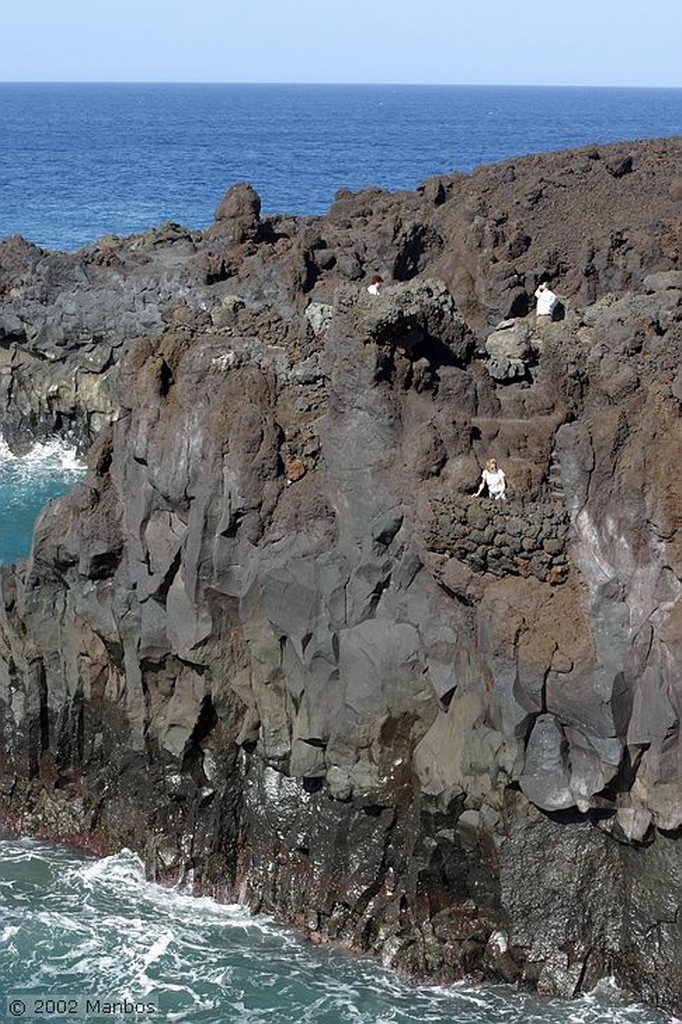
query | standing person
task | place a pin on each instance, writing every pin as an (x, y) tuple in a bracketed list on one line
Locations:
[(546, 300), (494, 479), (375, 284)]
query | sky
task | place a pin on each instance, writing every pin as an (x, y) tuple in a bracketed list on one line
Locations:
[(453, 42)]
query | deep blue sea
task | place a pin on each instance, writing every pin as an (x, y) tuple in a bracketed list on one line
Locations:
[(81, 161)]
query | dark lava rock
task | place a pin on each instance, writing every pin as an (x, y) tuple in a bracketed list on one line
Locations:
[(274, 639)]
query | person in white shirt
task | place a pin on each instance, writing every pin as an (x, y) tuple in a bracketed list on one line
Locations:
[(494, 479), (546, 300), (375, 285)]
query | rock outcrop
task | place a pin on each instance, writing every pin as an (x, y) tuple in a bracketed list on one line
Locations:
[(272, 640)]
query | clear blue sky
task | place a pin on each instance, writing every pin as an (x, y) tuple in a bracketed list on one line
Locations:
[(515, 42)]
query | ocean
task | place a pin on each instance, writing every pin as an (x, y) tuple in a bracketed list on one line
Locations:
[(81, 161)]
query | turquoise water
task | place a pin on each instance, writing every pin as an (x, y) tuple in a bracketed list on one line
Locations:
[(76, 929), (26, 485)]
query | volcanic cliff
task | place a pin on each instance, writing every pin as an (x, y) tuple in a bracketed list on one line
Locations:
[(273, 641)]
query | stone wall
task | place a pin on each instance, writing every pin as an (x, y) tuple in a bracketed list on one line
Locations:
[(504, 538)]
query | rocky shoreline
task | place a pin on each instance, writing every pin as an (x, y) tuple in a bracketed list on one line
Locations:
[(273, 643)]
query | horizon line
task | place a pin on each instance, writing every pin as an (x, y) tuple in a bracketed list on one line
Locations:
[(336, 85)]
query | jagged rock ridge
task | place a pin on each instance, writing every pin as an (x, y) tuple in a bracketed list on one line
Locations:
[(273, 638)]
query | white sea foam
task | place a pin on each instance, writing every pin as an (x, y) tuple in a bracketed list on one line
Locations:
[(154, 953), (122, 876), (54, 455), (124, 867)]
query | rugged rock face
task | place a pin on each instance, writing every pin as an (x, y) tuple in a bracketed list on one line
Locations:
[(274, 641)]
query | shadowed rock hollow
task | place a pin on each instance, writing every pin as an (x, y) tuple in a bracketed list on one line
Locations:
[(275, 641)]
